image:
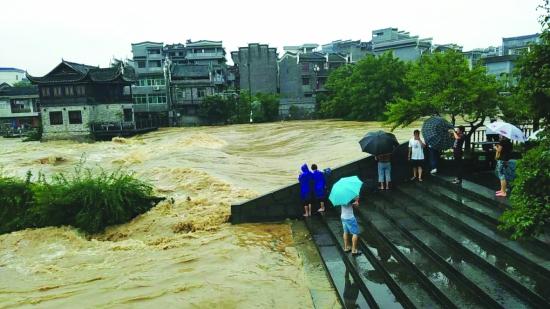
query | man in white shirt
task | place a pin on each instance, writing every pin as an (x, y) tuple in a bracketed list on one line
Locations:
[(416, 155), (349, 224)]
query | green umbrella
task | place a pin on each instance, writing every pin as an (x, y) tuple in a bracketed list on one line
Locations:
[(345, 190)]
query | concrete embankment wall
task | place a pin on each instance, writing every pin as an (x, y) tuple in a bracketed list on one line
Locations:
[(284, 203)]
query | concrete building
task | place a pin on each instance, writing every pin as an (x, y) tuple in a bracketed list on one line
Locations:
[(500, 61), (304, 48), (302, 77), (18, 108), (354, 50), (400, 43), (257, 67), (11, 76), (150, 91), (77, 100)]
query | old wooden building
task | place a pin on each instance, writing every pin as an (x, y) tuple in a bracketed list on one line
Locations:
[(78, 100)]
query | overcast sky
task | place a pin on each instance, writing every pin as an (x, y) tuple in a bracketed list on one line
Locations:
[(36, 34)]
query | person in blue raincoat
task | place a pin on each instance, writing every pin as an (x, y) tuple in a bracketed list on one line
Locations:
[(319, 187), (306, 179)]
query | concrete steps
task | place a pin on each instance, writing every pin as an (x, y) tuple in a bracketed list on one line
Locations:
[(434, 245)]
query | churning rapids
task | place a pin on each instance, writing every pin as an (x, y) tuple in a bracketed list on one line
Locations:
[(182, 253)]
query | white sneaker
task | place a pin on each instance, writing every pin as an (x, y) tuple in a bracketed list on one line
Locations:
[(433, 171)]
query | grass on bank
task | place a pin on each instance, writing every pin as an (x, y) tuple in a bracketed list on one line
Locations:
[(87, 200)]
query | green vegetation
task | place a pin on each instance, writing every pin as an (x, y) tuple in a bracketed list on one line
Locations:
[(530, 211), (86, 200), (237, 109), (362, 91), (530, 199), (444, 85)]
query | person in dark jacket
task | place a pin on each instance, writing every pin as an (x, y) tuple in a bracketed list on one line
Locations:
[(505, 166), (305, 179), (319, 187), (458, 152)]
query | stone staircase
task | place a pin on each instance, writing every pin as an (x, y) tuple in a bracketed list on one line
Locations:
[(433, 245)]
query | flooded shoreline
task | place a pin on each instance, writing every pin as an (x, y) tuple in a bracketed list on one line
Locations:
[(180, 252)]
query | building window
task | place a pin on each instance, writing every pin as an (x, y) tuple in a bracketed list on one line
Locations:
[(141, 64), (155, 51), (140, 98), (305, 81), (69, 91), (154, 64), (56, 118), (75, 117), (128, 115), (45, 91), (57, 91), (80, 90), (305, 67)]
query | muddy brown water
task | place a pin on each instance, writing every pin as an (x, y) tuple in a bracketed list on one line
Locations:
[(185, 252)]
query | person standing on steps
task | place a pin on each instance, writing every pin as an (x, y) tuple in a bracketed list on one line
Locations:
[(306, 178), (416, 154), (434, 158), (505, 167), (349, 224), (319, 187), (458, 152), (384, 170)]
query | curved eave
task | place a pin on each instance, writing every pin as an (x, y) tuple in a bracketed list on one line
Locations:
[(43, 81)]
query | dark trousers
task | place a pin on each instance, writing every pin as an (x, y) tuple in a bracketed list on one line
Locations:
[(458, 165), (434, 157)]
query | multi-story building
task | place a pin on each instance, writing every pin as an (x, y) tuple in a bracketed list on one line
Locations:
[(11, 76), (77, 99), (354, 50), (304, 48), (18, 108), (302, 77), (150, 91), (257, 67), (500, 61), (400, 43), (175, 52)]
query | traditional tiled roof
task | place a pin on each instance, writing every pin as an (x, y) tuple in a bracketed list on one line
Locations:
[(203, 43), (190, 70), (18, 91), (312, 56), (71, 72)]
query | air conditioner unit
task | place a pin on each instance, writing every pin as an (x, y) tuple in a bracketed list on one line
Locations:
[(156, 87)]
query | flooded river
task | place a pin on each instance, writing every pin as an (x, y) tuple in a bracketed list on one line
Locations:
[(181, 253)]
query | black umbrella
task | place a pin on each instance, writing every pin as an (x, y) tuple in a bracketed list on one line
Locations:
[(378, 142), (436, 133)]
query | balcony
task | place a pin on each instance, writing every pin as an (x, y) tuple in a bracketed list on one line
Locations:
[(150, 107), (199, 56), (150, 70)]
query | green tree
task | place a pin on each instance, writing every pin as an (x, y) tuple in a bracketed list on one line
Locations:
[(532, 94), (21, 84), (268, 107), (362, 91), (215, 109), (443, 84), (530, 199)]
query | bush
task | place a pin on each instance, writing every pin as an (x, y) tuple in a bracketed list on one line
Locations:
[(85, 200), (530, 211)]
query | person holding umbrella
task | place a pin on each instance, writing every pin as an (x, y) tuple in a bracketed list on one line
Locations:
[(345, 194), (381, 144), (505, 167)]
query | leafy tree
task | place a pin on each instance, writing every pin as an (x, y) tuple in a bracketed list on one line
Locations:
[(532, 94), (214, 109), (530, 211), (443, 84), (362, 91), (268, 107), (21, 84)]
